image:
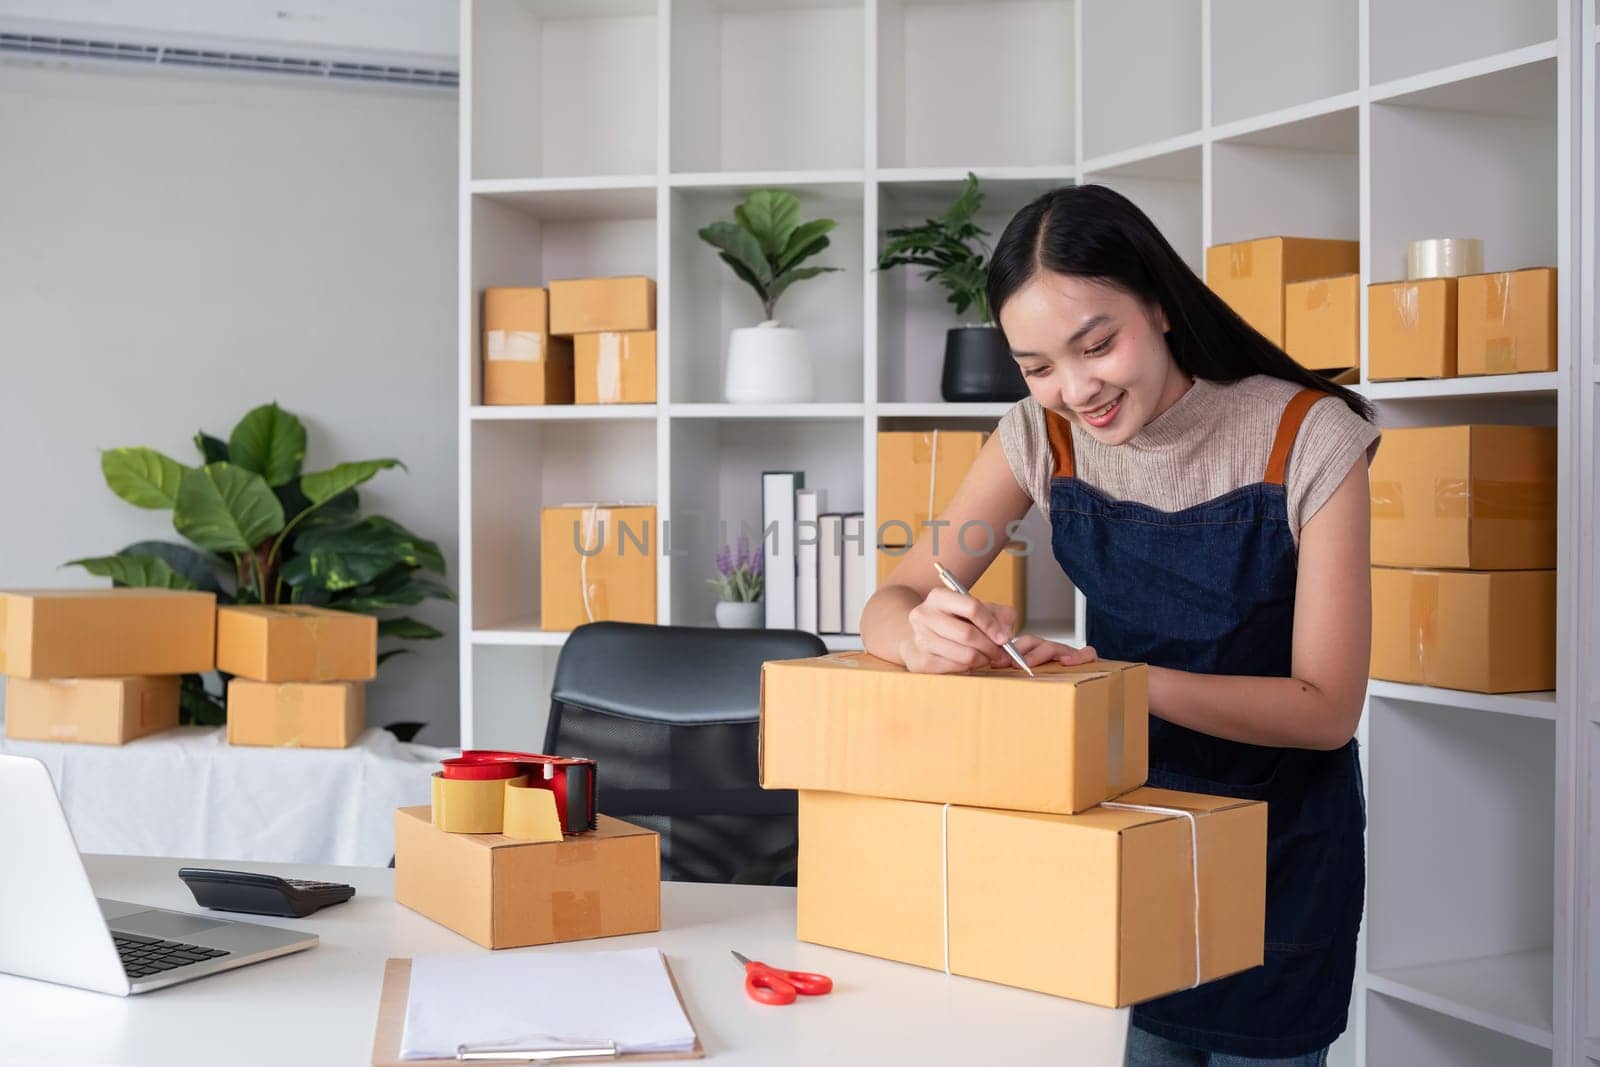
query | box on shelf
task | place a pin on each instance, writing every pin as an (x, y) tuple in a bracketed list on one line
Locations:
[(503, 892), (1484, 631), (852, 723), (914, 466), (597, 562), (1506, 322), (296, 643), (1005, 581), (615, 367), (523, 363), (296, 714), (1411, 329), (1322, 322), (101, 711), (101, 633), (1251, 275), (595, 305), (1477, 497), (1099, 907)]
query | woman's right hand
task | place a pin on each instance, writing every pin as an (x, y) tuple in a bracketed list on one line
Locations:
[(951, 633)]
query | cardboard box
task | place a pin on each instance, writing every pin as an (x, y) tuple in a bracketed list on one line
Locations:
[(910, 463), (296, 714), (1005, 582), (523, 363), (1251, 275), (595, 305), (1099, 907), (851, 723), (1411, 329), (1506, 322), (296, 643), (100, 711), (1478, 497), (106, 633), (616, 367), (1322, 322), (1485, 631), (505, 893), (596, 563)]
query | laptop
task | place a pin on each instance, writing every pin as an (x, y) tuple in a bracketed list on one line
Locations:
[(53, 928)]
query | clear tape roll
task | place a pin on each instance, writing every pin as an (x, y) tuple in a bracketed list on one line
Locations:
[(1444, 257)]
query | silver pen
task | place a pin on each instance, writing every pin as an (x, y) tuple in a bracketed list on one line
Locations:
[(954, 586)]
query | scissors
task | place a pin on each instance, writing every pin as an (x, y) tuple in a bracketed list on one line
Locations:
[(769, 985)]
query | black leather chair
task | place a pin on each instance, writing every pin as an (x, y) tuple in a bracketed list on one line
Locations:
[(671, 715)]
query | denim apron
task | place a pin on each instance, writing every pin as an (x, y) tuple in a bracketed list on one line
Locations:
[(1210, 589)]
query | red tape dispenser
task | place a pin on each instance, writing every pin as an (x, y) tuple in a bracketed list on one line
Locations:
[(571, 779)]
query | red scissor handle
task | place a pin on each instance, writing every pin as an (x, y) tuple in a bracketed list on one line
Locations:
[(769, 985)]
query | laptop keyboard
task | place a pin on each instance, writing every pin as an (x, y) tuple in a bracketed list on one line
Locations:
[(144, 956)]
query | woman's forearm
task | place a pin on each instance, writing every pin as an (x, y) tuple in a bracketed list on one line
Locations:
[(1280, 712), (886, 621)]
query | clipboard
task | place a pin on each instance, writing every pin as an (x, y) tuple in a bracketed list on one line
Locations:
[(392, 1021)]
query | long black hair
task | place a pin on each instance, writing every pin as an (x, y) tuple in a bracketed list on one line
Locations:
[(1093, 232)]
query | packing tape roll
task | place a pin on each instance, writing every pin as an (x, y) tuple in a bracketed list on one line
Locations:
[(1444, 257), (471, 806), (1491, 498), (530, 812), (1424, 632), (479, 766)]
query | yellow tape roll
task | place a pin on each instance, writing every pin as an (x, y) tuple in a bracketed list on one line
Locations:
[(471, 806), (531, 812)]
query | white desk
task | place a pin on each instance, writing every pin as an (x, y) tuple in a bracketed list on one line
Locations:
[(320, 1007)]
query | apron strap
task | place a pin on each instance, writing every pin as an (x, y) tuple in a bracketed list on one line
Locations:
[(1059, 430), (1288, 427)]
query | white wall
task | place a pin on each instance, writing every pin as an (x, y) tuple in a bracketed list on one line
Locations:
[(175, 249)]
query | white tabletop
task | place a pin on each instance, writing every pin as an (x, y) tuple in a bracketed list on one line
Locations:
[(320, 1007)]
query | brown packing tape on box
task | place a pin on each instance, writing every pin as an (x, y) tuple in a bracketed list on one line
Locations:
[(530, 812)]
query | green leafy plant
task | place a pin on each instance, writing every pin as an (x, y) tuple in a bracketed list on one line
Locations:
[(951, 248), (767, 242), (260, 531)]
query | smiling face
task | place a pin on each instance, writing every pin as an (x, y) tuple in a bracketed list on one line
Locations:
[(1093, 353)]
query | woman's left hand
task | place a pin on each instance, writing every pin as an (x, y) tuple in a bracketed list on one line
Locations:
[(1037, 650)]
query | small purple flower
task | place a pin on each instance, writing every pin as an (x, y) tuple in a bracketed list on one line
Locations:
[(744, 551), (725, 562), (756, 562)]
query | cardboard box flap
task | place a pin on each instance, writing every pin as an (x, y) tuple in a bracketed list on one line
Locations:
[(1199, 803), (1050, 672)]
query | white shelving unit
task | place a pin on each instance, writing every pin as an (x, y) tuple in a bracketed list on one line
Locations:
[(598, 135)]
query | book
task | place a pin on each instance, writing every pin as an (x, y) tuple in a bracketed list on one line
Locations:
[(854, 583), (830, 573), (778, 557), (808, 505)]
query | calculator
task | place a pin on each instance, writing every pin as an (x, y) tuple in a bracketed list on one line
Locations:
[(261, 894)]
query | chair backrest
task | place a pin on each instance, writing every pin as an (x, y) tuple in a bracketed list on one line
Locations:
[(671, 714)]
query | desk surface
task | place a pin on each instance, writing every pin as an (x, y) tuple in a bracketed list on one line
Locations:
[(319, 1007)]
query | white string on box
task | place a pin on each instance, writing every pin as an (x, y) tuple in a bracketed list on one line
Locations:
[(944, 879), (1194, 862), (591, 520), (933, 476)]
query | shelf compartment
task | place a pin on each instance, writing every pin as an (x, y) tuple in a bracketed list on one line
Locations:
[(519, 468), (1412, 37), (1528, 705), (1540, 384), (562, 412), (1266, 56), (1125, 104), (1471, 158), (563, 88), (1168, 189), (1301, 179), (738, 65), (1510, 994), (1462, 810), (1400, 1032), (913, 314), (708, 301), (928, 114), (716, 490)]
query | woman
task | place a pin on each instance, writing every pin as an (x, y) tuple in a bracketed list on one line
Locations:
[(1209, 496)]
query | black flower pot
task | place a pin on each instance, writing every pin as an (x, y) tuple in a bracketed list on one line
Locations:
[(978, 366)]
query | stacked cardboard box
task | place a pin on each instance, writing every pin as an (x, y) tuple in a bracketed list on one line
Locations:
[(919, 472), (1501, 323), (299, 674), (1301, 293), (586, 341), (1463, 548), (100, 665), (597, 562), (993, 825)]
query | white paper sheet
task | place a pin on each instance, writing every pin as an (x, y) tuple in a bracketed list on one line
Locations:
[(543, 1000)]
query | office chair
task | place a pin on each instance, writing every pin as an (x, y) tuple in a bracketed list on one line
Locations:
[(671, 715)]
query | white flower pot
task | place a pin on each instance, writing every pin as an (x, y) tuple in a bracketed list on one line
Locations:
[(767, 364), (740, 614)]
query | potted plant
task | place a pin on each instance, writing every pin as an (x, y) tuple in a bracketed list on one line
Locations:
[(262, 532), (765, 246), (977, 361), (738, 584)]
